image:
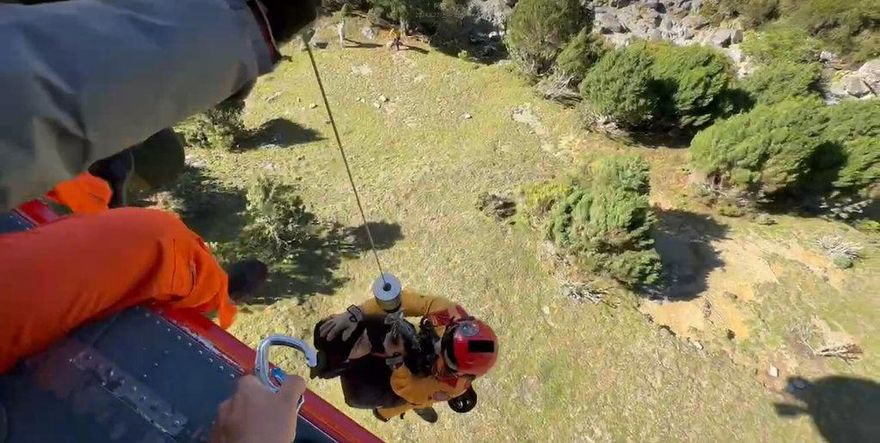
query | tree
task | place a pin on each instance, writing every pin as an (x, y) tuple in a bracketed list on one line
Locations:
[(621, 86), (692, 81), (765, 150), (605, 221), (773, 83), (579, 55), (538, 29)]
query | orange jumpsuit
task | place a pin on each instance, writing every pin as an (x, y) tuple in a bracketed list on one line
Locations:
[(83, 194), (422, 392), (57, 276)]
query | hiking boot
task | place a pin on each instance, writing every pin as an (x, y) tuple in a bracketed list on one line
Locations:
[(428, 414), (246, 278), (115, 170)]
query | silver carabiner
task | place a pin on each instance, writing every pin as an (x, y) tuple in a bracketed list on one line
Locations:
[(273, 377)]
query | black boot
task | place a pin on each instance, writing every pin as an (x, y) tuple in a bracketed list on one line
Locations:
[(116, 171), (245, 278), (428, 414)]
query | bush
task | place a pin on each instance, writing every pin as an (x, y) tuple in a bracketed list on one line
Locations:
[(841, 24), (218, 128), (579, 55), (538, 29), (278, 221), (765, 150), (621, 86), (692, 80), (773, 83), (781, 43), (605, 219), (850, 154), (751, 12), (539, 198)]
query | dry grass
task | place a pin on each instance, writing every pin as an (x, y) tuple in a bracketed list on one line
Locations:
[(568, 371)]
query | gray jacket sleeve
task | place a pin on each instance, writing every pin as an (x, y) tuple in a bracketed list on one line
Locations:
[(81, 80)]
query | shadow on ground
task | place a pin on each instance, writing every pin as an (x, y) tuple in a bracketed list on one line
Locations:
[(684, 241), (844, 409), (312, 270), (279, 132), (354, 44), (212, 210)]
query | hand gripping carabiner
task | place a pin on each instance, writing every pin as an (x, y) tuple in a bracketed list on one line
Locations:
[(274, 377)]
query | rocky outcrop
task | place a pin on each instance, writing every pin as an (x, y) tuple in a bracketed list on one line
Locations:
[(863, 83), (676, 21)]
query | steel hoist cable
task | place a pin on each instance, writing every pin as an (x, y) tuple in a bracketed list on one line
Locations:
[(357, 197)]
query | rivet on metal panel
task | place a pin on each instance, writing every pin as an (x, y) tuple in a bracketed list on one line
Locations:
[(158, 322), (176, 422), (200, 352), (145, 376), (168, 329), (178, 337), (134, 388), (111, 373), (165, 352), (155, 365), (210, 360), (146, 314), (189, 344), (143, 398), (222, 368), (232, 376)]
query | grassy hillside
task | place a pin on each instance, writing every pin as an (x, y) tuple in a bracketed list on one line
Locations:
[(568, 371)]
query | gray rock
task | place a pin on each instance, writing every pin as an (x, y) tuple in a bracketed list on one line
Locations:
[(652, 4), (736, 36), (609, 24), (735, 53), (773, 371), (870, 73), (855, 86), (368, 32), (467, 116), (694, 21), (383, 99), (721, 38), (655, 35), (828, 57), (652, 17), (667, 24)]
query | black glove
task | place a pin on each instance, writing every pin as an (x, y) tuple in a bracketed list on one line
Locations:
[(464, 402)]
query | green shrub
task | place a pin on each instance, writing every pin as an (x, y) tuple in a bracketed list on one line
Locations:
[(621, 86), (580, 54), (691, 81), (773, 83), (539, 198), (841, 24), (277, 221), (850, 154), (781, 43), (751, 12), (538, 29), (218, 128), (605, 219), (861, 168), (766, 150)]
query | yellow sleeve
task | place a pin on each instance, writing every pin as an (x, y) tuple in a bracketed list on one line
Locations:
[(412, 303), (422, 391)]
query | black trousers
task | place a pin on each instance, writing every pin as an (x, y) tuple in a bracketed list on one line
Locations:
[(366, 381)]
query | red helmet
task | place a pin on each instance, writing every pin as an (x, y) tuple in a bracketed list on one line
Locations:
[(470, 347)]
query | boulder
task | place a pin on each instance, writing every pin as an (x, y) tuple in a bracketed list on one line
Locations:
[(721, 38), (736, 36), (855, 86), (870, 73), (368, 32), (609, 24), (655, 35), (652, 4), (694, 21)]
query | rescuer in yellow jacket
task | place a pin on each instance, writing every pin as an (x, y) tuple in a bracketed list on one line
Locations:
[(391, 376)]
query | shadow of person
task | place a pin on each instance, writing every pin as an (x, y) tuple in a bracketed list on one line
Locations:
[(684, 241), (414, 48), (354, 44), (844, 409), (279, 132)]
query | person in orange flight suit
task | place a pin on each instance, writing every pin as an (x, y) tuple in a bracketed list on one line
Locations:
[(380, 372)]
